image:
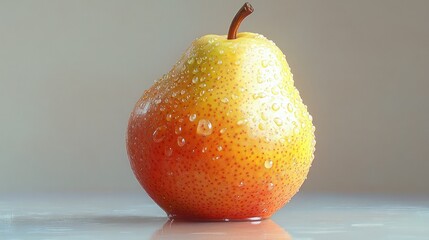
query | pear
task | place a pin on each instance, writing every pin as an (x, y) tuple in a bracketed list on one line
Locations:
[(224, 135)]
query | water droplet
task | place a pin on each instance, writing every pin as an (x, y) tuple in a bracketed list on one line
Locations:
[(170, 173), (261, 126), (264, 63), (178, 129), (259, 95), (168, 151), (202, 93), (264, 116), (296, 130), (275, 90), (191, 61), (278, 121), (195, 71), (159, 134), (276, 76), (157, 101), (268, 164), (181, 141), (168, 117), (203, 69), (221, 51), (192, 117), (199, 60), (219, 62), (222, 131), (275, 106), (224, 100), (204, 127), (241, 184), (290, 107), (310, 117), (183, 92), (195, 79), (241, 122), (270, 186), (203, 85), (216, 158), (204, 149), (219, 148)]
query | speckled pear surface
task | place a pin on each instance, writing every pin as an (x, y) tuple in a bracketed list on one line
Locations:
[(223, 135)]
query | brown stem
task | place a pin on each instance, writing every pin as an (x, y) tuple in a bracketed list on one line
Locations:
[(244, 11)]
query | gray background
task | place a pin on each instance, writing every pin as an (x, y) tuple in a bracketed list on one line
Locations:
[(71, 71)]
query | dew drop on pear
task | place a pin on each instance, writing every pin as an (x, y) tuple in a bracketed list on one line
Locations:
[(192, 117), (205, 127), (268, 164), (159, 134), (178, 129), (264, 63), (222, 130), (181, 141), (290, 107), (275, 107), (168, 151), (278, 121), (275, 90), (241, 122)]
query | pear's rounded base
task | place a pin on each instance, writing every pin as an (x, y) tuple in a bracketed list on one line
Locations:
[(173, 217)]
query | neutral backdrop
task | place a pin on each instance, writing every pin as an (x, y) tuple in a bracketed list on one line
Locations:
[(71, 71)]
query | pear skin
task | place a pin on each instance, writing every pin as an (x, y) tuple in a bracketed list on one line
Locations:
[(224, 135)]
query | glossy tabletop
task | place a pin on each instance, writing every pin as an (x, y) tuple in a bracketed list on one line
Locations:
[(135, 216)]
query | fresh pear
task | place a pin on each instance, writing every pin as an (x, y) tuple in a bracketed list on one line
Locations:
[(224, 135)]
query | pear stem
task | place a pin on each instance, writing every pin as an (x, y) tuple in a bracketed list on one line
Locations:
[(244, 11)]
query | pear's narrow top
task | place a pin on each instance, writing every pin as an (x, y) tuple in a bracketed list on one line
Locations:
[(244, 11)]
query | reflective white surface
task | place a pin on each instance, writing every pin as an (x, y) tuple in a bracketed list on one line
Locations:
[(134, 216)]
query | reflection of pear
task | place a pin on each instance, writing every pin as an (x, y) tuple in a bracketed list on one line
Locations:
[(178, 230)]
